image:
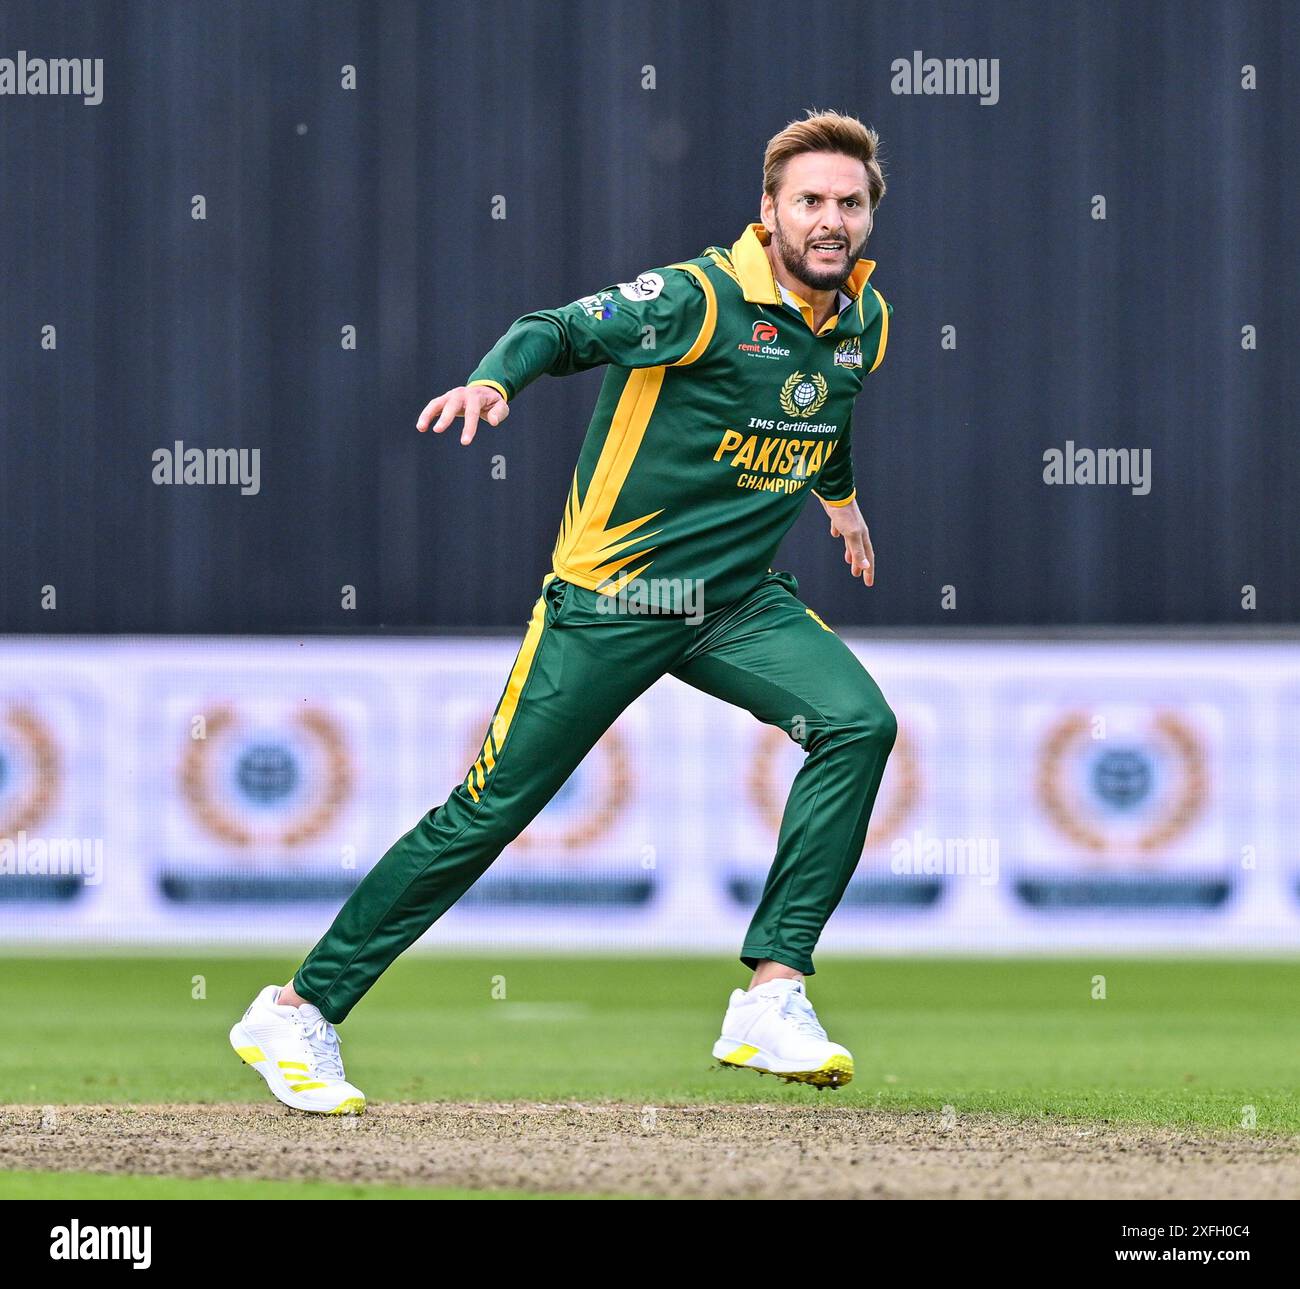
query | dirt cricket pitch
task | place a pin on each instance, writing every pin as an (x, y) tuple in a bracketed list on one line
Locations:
[(723, 1151)]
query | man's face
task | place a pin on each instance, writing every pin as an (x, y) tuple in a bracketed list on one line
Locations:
[(820, 219)]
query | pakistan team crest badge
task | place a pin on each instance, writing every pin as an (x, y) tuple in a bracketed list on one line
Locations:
[(848, 353), (803, 396)]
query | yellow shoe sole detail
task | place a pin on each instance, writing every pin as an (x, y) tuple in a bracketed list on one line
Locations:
[(353, 1105), (834, 1073), (250, 1055)]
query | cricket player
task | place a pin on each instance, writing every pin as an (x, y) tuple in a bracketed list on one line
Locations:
[(727, 400)]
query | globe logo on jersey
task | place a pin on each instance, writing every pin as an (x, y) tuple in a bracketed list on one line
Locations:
[(803, 396)]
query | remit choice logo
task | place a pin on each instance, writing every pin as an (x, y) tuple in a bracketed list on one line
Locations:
[(762, 341)]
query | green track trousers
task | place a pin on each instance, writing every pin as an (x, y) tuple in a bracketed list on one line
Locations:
[(577, 669)]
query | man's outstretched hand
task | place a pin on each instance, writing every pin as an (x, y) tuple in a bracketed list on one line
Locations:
[(469, 401), (847, 522)]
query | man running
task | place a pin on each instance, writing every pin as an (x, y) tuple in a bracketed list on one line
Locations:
[(728, 398)]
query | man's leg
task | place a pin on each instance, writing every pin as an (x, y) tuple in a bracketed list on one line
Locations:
[(772, 656), (576, 671)]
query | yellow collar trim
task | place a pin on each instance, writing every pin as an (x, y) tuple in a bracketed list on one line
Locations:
[(749, 259)]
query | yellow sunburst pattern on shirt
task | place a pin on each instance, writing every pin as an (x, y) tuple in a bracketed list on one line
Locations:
[(589, 551)]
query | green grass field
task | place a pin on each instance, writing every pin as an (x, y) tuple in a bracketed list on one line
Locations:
[(83, 1186), (1175, 1041)]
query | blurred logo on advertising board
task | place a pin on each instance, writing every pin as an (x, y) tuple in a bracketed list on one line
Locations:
[(1122, 804), (263, 799), (51, 842), (1286, 787), (904, 804), (585, 847)]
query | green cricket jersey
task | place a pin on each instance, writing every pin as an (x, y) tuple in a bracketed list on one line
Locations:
[(721, 409)]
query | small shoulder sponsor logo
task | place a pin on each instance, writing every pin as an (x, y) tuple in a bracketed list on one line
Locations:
[(77, 1243), (848, 353), (599, 306), (646, 287)]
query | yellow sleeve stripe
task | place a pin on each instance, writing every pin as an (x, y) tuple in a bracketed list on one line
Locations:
[(884, 330), (500, 389), (710, 316), (725, 266), (829, 502)]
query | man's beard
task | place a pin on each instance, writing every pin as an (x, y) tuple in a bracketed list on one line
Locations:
[(796, 262)]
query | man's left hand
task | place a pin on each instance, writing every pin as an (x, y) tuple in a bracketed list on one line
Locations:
[(847, 522)]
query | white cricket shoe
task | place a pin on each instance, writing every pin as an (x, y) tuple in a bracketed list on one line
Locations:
[(774, 1030), (296, 1050)]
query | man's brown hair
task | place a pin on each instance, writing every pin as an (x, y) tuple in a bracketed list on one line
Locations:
[(825, 132)]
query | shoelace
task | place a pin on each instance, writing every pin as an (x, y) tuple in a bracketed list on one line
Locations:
[(800, 1011), (324, 1043)]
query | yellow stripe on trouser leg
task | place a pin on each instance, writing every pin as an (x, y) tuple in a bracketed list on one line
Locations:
[(565, 689), (505, 713)]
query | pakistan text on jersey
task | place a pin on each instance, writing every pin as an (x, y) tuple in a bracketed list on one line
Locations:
[(801, 458)]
